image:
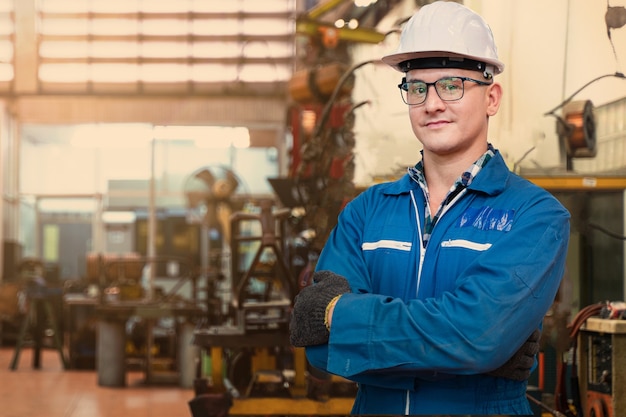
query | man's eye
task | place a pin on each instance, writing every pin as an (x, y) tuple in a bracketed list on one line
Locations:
[(417, 88), (449, 85)]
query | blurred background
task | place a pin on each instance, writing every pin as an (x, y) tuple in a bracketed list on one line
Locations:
[(194, 155)]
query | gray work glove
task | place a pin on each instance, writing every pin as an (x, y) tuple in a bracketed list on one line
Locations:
[(307, 326), (519, 366)]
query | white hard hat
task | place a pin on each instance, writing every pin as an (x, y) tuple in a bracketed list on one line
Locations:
[(446, 30)]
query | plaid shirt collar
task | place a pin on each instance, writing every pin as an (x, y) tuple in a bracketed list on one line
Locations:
[(462, 182)]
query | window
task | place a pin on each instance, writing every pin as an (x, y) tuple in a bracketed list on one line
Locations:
[(183, 41)]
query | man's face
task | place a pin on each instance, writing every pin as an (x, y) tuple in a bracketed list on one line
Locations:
[(453, 127)]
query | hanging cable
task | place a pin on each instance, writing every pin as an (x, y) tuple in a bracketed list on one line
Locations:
[(606, 231), (615, 18), (567, 100), (574, 328)]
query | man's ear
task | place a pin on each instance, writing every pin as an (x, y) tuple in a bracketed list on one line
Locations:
[(494, 96)]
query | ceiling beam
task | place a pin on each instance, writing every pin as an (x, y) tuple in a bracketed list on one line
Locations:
[(256, 112)]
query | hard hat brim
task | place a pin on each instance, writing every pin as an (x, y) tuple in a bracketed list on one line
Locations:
[(394, 60)]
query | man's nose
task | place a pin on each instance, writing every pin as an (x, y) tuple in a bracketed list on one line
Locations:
[(433, 101)]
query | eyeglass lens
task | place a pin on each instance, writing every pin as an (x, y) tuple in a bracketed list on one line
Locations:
[(448, 89)]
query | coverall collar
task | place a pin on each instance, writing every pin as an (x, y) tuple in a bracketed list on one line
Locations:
[(491, 180)]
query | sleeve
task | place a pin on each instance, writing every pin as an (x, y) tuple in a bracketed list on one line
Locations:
[(317, 355), (498, 301)]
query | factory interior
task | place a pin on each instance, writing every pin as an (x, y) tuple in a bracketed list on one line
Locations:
[(170, 171)]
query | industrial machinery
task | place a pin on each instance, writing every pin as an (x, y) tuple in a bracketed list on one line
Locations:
[(263, 289), (210, 192), (143, 322), (250, 356), (591, 381), (207, 190), (250, 288), (602, 361), (322, 113)]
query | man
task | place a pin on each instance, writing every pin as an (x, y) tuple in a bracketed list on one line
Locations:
[(430, 283)]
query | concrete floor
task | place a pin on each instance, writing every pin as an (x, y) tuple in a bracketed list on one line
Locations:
[(53, 392)]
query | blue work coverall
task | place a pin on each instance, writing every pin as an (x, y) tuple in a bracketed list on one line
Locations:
[(423, 326)]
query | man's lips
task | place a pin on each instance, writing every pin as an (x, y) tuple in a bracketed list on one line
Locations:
[(437, 123)]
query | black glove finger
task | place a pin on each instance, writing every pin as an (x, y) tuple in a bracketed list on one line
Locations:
[(328, 285), (320, 276), (532, 346), (529, 348), (517, 368), (519, 374), (327, 281), (535, 336), (519, 365), (306, 326), (511, 373), (525, 362)]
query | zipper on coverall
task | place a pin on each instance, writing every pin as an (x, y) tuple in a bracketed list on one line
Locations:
[(419, 278), (421, 261)]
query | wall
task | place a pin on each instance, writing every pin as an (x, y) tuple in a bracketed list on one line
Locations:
[(551, 50)]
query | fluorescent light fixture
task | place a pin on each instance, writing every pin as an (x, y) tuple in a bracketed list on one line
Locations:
[(364, 3), (127, 136), (67, 205), (118, 217), (216, 137), (124, 136)]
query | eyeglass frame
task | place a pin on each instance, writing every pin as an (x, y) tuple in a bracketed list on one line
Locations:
[(434, 84)]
